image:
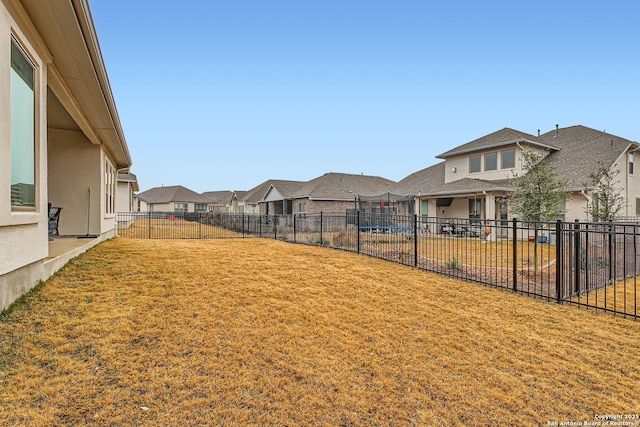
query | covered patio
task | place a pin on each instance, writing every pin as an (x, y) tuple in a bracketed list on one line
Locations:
[(64, 248)]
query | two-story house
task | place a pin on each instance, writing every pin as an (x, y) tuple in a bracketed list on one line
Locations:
[(474, 179)]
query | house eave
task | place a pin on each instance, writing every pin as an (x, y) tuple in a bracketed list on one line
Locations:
[(454, 152)]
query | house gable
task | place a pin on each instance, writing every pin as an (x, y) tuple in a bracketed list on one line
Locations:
[(496, 156)]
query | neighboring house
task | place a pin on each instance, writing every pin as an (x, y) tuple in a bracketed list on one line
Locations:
[(126, 199), (175, 198), (474, 180), (338, 192), (255, 201), (236, 207), (219, 201), (61, 141)]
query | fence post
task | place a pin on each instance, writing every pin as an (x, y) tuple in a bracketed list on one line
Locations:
[(149, 224), (611, 261), (559, 261), (275, 227), (576, 256), (358, 231), (321, 239), (415, 240), (243, 225), (294, 228), (514, 238)]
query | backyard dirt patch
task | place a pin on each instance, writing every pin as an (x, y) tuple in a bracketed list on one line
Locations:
[(262, 332)]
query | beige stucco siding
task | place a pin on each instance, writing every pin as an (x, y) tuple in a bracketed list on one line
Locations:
[(576, 207), (73, 162), (23, 234), (629, 183), (124, 198), (457, 167)]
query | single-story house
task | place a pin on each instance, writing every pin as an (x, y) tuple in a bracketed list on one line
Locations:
[(272, 197), (339, 192), (174, 198), (219, 201), (235, 206), (474, 179), (61, 141), (126, 198)]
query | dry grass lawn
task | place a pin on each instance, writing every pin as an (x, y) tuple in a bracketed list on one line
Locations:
[(261, 332)]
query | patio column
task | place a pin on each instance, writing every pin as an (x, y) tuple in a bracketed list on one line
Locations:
[(490, 213)]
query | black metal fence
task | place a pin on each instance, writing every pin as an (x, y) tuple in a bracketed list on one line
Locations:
[(586, 264)]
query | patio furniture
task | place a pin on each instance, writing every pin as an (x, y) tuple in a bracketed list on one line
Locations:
[(54, 218), (448, 227)]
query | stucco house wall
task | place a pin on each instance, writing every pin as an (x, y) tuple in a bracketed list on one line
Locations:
[(125, 199), (22, 230), (76, 132), (72, 171)]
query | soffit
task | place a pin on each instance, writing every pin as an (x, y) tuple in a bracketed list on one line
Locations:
[(67, 30)]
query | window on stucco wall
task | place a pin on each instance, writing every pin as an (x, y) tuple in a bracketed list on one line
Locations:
[(508, 159), (109, 187), (491, 161), (23, 151), (474, 163)]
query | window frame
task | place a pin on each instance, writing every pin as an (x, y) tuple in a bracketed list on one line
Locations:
[(33, 133), (493, 162), (109, 188), (471, 158), (513, 158), (475, 210)]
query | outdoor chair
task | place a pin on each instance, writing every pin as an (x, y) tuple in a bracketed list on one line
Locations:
[(448, 227), (54, 218)]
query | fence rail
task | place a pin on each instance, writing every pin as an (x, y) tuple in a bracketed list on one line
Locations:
[(593, 265)]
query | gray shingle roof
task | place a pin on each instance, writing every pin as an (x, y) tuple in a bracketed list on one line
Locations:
[(220, 198), (131, 178), (174, 193), (500, 138), (582, 151), (344, 186), (469, 186), (423, 180), (286, 188)]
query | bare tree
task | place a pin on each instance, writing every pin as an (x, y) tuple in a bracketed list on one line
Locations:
[(607, 202), (539, 196)]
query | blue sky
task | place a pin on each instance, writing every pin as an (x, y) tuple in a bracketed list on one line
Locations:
[(223, 95)]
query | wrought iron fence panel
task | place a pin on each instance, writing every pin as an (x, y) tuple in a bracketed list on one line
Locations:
[(593, 265)]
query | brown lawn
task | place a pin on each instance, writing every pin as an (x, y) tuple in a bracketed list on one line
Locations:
[(262, 332), (176, 228), (622, 296)]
